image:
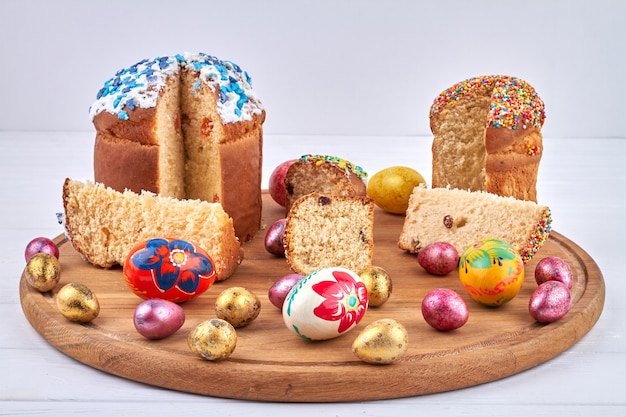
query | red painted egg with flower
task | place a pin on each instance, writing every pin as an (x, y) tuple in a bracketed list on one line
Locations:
[(169, 269), (325, 304)]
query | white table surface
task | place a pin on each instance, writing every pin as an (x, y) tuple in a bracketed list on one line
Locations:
[(582, 180)]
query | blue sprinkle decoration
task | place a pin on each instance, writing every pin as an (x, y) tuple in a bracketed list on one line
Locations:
[(139, 84)]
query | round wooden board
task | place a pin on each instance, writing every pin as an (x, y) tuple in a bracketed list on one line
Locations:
[(272, 364)]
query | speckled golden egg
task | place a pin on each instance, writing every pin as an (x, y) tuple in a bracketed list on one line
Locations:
[(42, 271), (491, 271), (381, 342), (237, 305), (78, 303), (378, 284), (213, 339)]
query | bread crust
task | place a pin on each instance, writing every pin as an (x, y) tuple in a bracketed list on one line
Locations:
[(241, 162), (126, 164)]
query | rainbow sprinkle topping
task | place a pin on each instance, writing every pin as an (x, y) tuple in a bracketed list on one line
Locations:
[(342, 163), (533, 150), (514, 102), (538, 238)]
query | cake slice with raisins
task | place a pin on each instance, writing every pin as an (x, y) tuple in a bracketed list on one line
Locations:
[(330, 230), (461, 217)]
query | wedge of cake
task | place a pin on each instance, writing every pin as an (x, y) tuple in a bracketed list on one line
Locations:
[(462, 217), (104, 224)]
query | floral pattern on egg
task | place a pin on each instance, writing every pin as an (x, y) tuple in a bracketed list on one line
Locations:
[(491, 271), (169, 269), (325, 304)]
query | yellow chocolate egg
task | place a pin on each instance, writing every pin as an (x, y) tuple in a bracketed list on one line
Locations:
[(491, 271)]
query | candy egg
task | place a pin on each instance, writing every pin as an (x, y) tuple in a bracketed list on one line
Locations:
[(275, 238), (279, 290), (170, 269), (550, 302), (381, 342), (213, 339), (276, 186), (553, 268), (444, 309), (378, 284), (42, 271), (237, 305), (157, 318), (491, 271), (77, 303), (39, 245), (391, 188), (438, 258), (325, 304)]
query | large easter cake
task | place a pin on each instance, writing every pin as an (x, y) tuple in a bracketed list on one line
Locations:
[(185, 126)]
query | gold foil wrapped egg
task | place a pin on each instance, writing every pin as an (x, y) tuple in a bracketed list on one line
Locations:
[(378, 284), (381, 342), (77, 303), (213, 339), (237, 305), (491, 271), (42, 271)]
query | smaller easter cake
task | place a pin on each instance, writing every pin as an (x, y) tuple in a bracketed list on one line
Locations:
[(324, 174), (487, 136), (461, 217), (330, 231), (104, 225)]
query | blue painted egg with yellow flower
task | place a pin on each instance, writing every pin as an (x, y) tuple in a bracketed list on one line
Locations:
[(169, 269), (325, 304), (491, 271)]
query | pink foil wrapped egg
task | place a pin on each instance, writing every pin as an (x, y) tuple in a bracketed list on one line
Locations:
[(325, 304), (169, 269)]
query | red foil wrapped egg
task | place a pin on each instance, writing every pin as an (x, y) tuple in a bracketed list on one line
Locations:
[(169, 269)]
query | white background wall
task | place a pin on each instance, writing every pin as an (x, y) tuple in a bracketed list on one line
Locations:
[(322, 66)]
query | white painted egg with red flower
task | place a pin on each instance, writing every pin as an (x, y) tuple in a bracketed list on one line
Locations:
[(325, 304), (170, 269)]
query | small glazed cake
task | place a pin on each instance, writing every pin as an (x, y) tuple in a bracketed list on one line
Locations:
[(487, 136), (184, 126), (330, 231), (104, 225), (461, 217), (324, 174)]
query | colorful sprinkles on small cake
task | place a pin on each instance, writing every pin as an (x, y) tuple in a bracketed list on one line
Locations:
[(341, 163), (141, 84), (539, 237), (514, 103)]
